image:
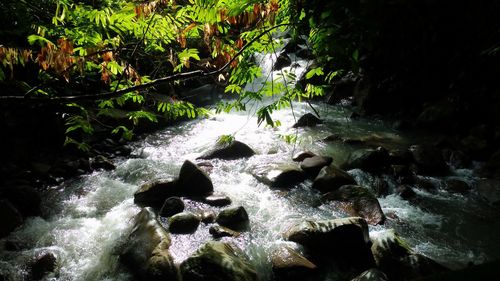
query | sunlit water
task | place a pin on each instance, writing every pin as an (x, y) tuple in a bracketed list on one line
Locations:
[(88, 217)]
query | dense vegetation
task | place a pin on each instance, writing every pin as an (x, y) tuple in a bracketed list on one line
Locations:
[(113, 65)]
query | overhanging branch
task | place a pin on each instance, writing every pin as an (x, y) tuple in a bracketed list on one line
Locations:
[(156, 82)]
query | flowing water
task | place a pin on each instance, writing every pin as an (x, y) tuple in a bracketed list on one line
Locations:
[(87, 217)]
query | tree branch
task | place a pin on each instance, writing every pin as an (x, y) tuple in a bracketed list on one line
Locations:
[(159, 81)]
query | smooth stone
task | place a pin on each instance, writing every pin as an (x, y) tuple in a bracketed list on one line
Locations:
[(155, 192), (307, 120), (193, 181), (229, 151), (331, 178), (218, 231), (371, 160), (358, 201), (171, 206), (183, 223), (313, 165), (235, 218), (207, 216), (288, 264), (217, 200), (301, 155), (43, 264), (405, 192), (456, 186), (429, 159), (280, 176)]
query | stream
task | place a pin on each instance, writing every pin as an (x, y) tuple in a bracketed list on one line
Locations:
[(87, 217)]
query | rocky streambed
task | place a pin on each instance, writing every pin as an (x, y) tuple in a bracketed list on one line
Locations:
[(350, 198)]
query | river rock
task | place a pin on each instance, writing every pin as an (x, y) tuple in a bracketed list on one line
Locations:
[(331, 178), (301, 155), (101, 162), (10, 218), (171, 206), (489, 189), (371, 274), (405, 192), (282, 61), (193, 181), (183, 223), (456, 186), (218, 231), (371, 160), (229, 151), (217, 200), (218, 261), (288, 264), (235, 218), (24, 198), (400, 156), (207, 216), (44, 263), (280, 176), (313, 165), (155, 192), (307, 120), (345, 240), (358, 201), (394, 257), (145, 252), (429, 159)]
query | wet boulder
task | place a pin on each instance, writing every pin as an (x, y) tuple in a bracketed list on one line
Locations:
[(10, 218), (145, 251), (154, 193), (394, 257), (171, 206), (429, 159), (229, 151), (456, 186), (43, 264), (24, 198), (235, 218), (280, 176), (101, 162), (358, 201), (193, 181), (371, 160), (282, 61), (307, 120), (218, 261), (489, 189), (217, 200), (183, 223), (288, 264), (406, 192), (218, 231), (331, 178), (371, 274), (301, 155), (312, 165), (345, 240), (207, 216)]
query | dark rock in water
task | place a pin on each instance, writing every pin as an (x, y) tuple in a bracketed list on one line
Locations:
[(283, 60), (207, 216), (394, 257), (371, 274), (229, 151), (371, 160), (456, 186), (305, 53), (489, 189), (280, 176), (429, 159), (401, 172), (300, 156), (343, 89), (358, 201), (218, 261), (183, 223), (400, 156), (193, 181), (43, 264), (288, 264), (206, 166), (331, 178), (217, 200), (313, 165), (171, 206), (345, 240), (406, 192), (218, 231), (426, 183), (145, 252), (459, 160), (235, 218), (307, 120), (379, 186), (9, 217), (25, 199), (101, 162), (155, 192)]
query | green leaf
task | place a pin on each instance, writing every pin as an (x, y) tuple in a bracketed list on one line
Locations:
[(318, 71)]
